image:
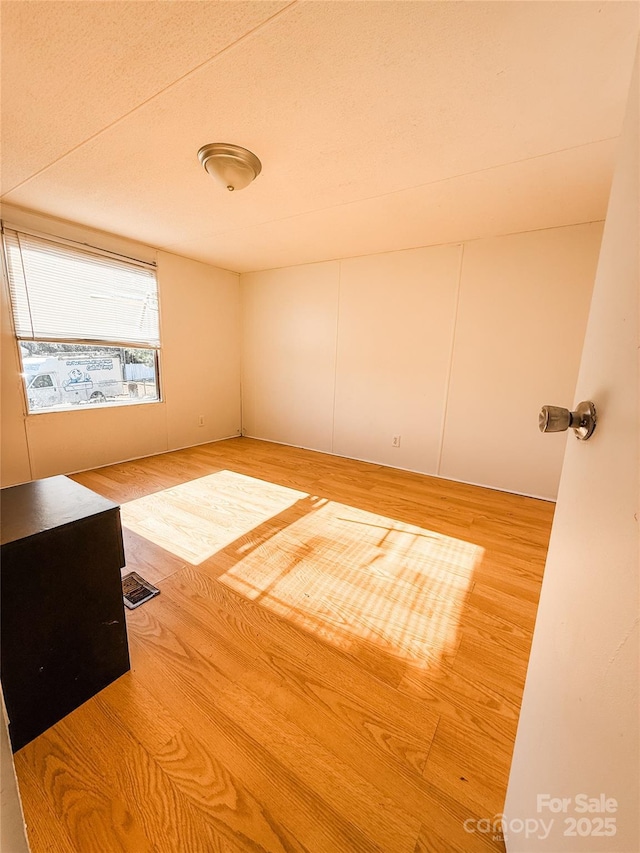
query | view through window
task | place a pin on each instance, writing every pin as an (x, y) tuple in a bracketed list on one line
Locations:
[(58, 376), (86, 322)]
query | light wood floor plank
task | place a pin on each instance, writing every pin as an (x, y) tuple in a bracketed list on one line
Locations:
[(322, 757), (178, 792), (335, 663), (207, 730), (94, 816), (327, 694), (46, 831)]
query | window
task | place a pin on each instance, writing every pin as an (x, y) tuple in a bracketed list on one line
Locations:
[(86, 323), (43, 380)]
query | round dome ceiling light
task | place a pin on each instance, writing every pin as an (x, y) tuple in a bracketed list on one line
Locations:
[(230, 165)]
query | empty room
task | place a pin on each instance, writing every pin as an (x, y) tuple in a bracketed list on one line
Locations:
[(319, 426)]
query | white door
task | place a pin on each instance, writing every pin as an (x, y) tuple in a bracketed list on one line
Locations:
[(574, 776)]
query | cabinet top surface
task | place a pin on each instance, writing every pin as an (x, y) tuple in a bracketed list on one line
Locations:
[(32, 508)]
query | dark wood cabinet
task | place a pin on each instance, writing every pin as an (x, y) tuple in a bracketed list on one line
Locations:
[(63, 627)]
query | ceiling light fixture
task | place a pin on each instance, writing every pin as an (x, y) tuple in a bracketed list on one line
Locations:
[(230, 165)]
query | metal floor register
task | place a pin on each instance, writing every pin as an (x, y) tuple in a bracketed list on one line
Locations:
[(136, 590)]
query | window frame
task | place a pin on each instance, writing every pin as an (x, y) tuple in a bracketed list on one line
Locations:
[(89, 250)]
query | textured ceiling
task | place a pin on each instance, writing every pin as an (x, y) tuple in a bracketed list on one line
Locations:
[(380, 125)]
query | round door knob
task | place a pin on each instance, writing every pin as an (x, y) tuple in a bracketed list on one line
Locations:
[(554, 419), (557, 419)]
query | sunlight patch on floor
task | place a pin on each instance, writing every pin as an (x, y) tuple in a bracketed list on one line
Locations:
[(197, 519), (351, 577)]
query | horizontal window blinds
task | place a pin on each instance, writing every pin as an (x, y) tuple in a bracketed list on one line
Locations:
[(61, 293)]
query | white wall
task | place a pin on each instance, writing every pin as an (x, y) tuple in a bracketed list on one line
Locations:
[(200, 373), (455, 348), (524, 303), (200, 350), (289, 322), (396, 322), (14, 452), (578, 730)]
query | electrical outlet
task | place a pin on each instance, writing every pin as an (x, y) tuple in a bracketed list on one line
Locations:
[(201, 420), (395, 441)]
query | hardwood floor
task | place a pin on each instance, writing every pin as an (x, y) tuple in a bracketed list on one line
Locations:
[(335, 663)]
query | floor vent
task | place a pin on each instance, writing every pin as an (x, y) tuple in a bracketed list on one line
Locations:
[(137, 590)]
